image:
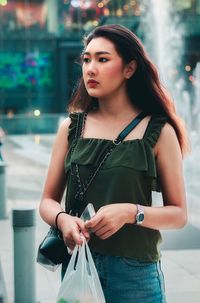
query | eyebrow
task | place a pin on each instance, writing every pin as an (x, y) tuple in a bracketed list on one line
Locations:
[(98, 53)]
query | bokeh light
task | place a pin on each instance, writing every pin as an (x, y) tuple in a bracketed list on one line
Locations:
[(37, 112), (3, 2)]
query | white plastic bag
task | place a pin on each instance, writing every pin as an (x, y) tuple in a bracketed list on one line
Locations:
[(81, 282)]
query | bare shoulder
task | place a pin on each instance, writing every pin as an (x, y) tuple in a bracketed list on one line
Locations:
[(64, 126), (65, 123), (62, 134), (168, 139), (167, 132)]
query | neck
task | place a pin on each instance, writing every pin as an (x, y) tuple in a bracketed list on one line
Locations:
[(118, 107)]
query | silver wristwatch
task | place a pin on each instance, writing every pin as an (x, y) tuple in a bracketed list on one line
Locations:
[(139, 218)]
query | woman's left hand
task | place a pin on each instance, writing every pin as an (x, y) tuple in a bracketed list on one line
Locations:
[(110, 218)]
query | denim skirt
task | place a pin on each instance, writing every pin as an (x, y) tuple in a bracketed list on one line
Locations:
[(126, 280)]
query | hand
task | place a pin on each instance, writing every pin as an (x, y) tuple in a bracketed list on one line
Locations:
[(72, 228), (110, 218)]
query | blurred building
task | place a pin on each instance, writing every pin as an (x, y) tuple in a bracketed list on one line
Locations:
[(40, 41)]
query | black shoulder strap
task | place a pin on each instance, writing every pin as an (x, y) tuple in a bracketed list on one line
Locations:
[(78, 130), (129, 128), (80, 124), (83, 187)]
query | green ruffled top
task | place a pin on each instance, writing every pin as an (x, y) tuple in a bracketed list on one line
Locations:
[(128, 175)]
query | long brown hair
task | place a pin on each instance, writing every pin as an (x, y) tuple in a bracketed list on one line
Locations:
[(144, 87)]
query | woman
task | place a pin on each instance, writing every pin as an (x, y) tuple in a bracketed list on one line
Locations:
[(119, 83)]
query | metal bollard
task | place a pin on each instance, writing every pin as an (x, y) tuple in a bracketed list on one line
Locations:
[(3, 210), (24, 255), (3, 294)]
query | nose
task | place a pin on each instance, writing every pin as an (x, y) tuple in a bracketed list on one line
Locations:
[(91, 68)]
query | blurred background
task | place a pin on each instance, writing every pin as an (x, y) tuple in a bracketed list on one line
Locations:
[(40, 42)]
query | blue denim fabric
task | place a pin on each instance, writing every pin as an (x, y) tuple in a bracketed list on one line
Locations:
[(126, 280)]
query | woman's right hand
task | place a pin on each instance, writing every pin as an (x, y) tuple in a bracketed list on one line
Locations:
[(72, 228)]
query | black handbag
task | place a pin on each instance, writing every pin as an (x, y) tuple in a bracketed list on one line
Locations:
[(53, 251)]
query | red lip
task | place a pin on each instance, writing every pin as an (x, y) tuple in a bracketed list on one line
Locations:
[(92, 81)]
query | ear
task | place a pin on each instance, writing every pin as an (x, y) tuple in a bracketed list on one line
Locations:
[(130, 69)]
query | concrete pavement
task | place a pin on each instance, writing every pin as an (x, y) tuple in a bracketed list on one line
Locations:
[(27, 158)]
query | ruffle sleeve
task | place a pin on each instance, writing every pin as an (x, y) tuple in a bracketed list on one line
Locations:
[(72, 134), (154, 129), (73, 125)]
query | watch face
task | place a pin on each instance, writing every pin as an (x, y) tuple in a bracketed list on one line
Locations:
[(140, 218)]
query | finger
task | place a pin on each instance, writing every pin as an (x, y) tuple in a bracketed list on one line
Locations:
[(77, 237), (94, 221), (102, 230), (106, 235), (71, 247), (85, 232), (70, 250), (99, 227), (70, 243), (68, 239), (86, 235), (82, 227)]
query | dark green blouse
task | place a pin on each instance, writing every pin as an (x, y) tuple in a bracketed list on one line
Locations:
[(127, 176)]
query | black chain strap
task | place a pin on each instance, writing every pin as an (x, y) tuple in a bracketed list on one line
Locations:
[(83, 187), (79, 130)]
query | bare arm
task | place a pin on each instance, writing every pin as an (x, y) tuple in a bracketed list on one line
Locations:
[(170, 171), (55, 181), (173, 214), (53, 191)]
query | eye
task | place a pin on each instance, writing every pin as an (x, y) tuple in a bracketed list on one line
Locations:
[(86, 60), (102, 59)]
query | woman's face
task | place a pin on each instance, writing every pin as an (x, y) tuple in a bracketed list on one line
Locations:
[(104, 72)]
